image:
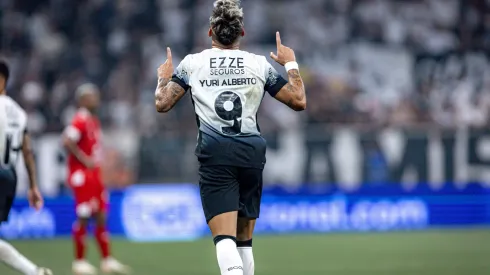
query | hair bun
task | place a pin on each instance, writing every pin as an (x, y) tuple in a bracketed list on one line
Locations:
[(227, 10), (226, 3)]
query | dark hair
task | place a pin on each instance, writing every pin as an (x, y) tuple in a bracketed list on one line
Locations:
[(226, 21), (4, 70)]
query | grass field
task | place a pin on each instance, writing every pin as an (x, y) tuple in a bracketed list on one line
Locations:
[(461, 252)]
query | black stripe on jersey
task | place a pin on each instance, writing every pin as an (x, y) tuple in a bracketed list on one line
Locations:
[(256, 114), (274, 89), (6, 158), (181, 82), (198, 121)]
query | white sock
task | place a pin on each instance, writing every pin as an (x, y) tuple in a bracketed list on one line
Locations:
[(248, 260), (229, 260), (10, 256)]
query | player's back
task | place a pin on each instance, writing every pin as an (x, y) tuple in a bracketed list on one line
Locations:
[(227, 87), (85, 129), (14, 123)]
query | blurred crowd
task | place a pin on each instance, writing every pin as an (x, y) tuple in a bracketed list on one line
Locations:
[(367, 62)]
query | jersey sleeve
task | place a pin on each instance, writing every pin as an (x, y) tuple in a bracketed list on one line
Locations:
[(182, 73), (273, 80), (75, 130)]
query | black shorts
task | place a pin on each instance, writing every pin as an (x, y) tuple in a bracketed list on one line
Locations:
[(230, 188), (8, 185)]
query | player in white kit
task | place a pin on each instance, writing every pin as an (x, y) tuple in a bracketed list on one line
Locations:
[(227, 86), (13, 139)]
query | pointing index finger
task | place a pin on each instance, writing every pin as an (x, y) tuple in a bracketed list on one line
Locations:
[(169, 54), (278, 39)]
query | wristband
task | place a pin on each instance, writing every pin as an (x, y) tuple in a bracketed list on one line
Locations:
[(292, 65)]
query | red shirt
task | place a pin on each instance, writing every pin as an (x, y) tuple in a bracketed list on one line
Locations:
[(85, 130)]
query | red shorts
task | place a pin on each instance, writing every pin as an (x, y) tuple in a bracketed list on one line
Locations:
[(90, 194)]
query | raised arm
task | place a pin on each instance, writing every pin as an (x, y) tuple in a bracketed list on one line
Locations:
[(293, 93), (167, 92)]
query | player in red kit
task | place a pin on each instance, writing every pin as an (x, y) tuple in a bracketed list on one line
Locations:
[(82, 139)]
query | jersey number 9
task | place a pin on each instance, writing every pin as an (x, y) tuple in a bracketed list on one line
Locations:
[(228, 106)]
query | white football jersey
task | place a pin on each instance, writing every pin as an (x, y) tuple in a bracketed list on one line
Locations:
[(227, 87), (13, 125)]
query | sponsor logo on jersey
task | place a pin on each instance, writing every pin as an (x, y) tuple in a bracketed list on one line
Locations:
[(226, 65)]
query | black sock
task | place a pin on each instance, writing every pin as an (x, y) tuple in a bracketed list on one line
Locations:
[(244, 243), (219, 238)]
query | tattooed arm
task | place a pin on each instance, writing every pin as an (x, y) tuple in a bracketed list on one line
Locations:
[(167, 94), (293, 93)]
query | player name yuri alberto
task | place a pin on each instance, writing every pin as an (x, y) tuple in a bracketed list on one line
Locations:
[(228, 82)]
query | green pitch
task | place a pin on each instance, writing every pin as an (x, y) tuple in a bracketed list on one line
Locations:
[(462, 252)]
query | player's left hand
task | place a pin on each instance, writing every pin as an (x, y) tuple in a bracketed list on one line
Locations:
[(284, 54), (166, 70), (35, 198)]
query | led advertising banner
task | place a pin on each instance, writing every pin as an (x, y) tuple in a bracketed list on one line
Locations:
[(174, 213)]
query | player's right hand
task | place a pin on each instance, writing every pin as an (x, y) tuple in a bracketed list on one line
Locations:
[(284, 54), (35, 198), (166, 70)]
